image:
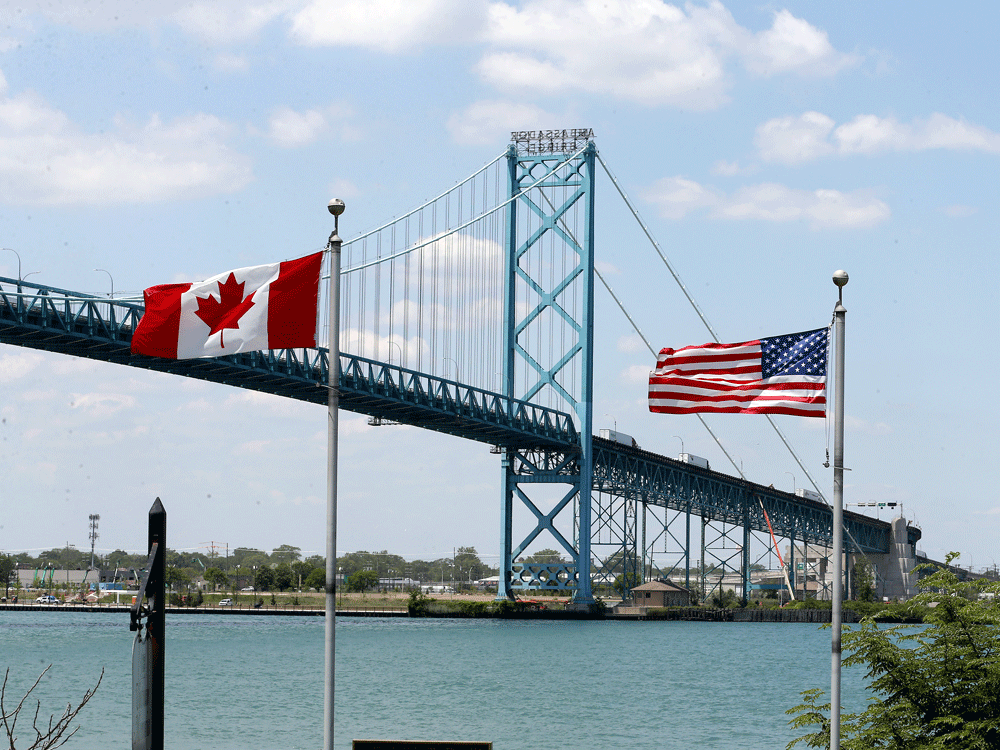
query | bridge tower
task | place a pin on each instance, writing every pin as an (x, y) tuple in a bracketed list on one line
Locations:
[(548, 353)]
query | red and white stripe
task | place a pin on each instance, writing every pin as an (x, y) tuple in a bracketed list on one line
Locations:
[(727, 379), (284, 313)]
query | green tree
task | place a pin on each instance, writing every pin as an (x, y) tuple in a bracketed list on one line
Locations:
[(263, 579), (545, 556), (216, 577), (864, 577), (283, 577), (248, 558), (300, 571), (286, 553), (7, 568), (175, 577), (468, 566), (724, 599), (317, 579), (625, 582), (362, 580), (935, 687)]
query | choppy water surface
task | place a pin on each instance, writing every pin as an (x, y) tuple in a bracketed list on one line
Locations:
[(250, 683)]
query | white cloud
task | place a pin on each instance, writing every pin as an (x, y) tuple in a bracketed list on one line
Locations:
[(822, 209), (793, 44), (231, 63), (389, 25), (289, 128), (678, 196), (607, 269), (342, 188), (663, 54), (488, 121), (726, 168), (637, 374), (813, 135), (226, 22), (46, 159), (793, 140), (101, 404), (632, 343), (218, 21), (958, 211), (16, 366)]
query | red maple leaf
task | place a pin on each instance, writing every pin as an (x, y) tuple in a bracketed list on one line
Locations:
[(225, 312)]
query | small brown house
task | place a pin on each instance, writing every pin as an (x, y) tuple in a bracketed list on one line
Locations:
[(661, 593)]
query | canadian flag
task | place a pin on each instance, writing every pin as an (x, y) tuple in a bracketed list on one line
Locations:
[(249, 309)]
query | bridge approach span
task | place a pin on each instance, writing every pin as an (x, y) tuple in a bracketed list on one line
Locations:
[(658, 480), (81, 325)]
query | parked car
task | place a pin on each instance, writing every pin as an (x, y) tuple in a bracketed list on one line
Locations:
[(226, 603), (249, 589), (46, 599)]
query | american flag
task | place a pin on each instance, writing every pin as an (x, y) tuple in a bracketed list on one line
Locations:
[(777, 375)]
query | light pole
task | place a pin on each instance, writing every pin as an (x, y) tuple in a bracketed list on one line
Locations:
[(400, 352), (840, 279), (449, 359), (18, 262), (112, 295), (793, 480), (682, 442), (334, 245)]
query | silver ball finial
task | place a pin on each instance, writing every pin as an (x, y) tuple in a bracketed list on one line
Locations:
[(336, 207), (840, 278)]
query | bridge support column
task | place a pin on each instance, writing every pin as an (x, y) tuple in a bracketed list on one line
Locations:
[(540, 305)]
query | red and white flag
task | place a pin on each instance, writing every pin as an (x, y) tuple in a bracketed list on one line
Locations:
[(775, 375), (249, 309)]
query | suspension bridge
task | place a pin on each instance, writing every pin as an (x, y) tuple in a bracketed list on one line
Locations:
[(473, 315)]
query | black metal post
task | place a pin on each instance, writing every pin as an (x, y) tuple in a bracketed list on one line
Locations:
[(156, 623)]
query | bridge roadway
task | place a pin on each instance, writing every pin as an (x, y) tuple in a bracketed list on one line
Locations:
[(81, 325)]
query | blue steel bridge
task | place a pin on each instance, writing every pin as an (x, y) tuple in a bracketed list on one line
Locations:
[(511, 249)]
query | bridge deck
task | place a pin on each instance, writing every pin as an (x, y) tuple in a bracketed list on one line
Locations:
[(97, 328), (658, 480)]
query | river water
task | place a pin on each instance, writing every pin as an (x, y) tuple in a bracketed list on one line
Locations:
[(254, 682)]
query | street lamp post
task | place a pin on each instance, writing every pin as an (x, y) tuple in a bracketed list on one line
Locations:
[(18, 262), (112, 295)]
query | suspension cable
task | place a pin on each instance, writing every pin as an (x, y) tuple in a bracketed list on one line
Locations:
[(701, 315), (464, 225)]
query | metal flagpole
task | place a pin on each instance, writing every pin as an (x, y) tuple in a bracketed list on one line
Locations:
[(839, 318), (333, 246)]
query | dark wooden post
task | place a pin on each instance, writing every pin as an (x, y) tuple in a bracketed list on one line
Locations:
[(156, 624), (147, 653)]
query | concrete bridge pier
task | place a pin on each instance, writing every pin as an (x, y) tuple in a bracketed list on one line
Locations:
[(894, 570)]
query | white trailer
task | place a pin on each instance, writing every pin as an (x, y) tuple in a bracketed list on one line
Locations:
[(689, 458), (619, 437)]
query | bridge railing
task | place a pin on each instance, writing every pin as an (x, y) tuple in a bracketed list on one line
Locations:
[(99, 328), (69, 312), (410, 387), (659, 480)]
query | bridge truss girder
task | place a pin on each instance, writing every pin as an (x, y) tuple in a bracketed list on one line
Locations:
[(58, 320)]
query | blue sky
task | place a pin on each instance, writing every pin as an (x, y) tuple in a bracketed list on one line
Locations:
[(766, 145)]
